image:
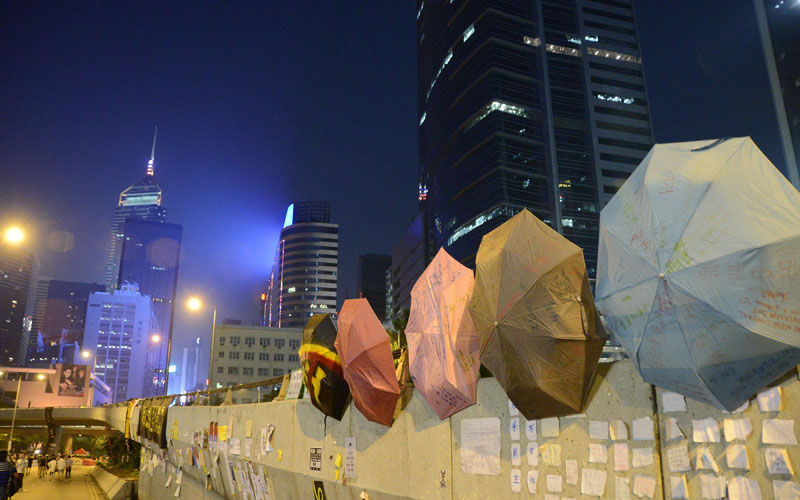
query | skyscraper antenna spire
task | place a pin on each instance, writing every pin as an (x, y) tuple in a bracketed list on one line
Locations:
[(152, 154)]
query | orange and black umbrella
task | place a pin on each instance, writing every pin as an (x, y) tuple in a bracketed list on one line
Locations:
[(322, 367)]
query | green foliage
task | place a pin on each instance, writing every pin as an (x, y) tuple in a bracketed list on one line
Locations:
[(23, 442), (119, 455), (397, 333)]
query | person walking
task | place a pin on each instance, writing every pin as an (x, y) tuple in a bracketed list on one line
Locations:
[(6, 472), (51, 467), (22, 462), (62, 465), (68, 463), (30, 465), (42, 465)]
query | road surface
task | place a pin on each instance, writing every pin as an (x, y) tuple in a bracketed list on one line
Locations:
[(80, 487)]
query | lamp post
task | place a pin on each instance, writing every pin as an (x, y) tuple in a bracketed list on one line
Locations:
[(85, 355), (195, 304)]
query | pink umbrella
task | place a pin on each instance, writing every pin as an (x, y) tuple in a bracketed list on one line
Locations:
[(366, 354), (443, 346)]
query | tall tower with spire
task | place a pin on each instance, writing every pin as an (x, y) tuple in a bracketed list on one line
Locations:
[(139, 201)]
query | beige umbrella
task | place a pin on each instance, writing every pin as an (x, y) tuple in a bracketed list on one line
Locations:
[(532, 307)]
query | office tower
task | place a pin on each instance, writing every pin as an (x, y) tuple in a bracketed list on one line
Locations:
[(59, 337), (141, 201), (371, 282), (19, 271), (39, 305), (243, 354), (779, 27), (304, 274), (150, 258), (120, 327), (410, 256), (535, 103)]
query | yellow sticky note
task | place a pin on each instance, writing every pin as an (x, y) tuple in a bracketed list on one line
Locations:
[(248, 428), (223, 432), (280, 455), (337, 474), (174, 430), (338, 462)]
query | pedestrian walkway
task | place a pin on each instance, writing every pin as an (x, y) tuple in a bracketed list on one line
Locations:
[(81, 486)]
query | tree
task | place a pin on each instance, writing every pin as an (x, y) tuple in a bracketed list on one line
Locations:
[(397, 333)]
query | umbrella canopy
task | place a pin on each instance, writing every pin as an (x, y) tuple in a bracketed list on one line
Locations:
[(443, 345), (532, 306), (322, 367), (698, 270), (366, 354)]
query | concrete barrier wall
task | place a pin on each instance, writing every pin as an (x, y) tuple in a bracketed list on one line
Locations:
[(420, 456), (113, 487)]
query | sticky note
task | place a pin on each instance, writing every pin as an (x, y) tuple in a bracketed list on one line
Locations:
[(678, 486), (737, 428), (778, 461), (678, 458), (743, 488), (598, 429), (248, 428), (621, 463), (622, 488), (533, 454), (572, 471), (512, 409), (642, 457), (516, 454), (554, 483), (705, 430), (619, 432), (736, 456), (593, 482), (550, 427), (704, 459), (712, 486), (551, 454), (673, 431), (516, 480), (533, 479), (280, 455), (769, 400), (785, 490), (672, 402), (223, 432), (778, 431), (338, 461), (644, 486), (643, 429), (513, 429), (598, 453), (530, 430)]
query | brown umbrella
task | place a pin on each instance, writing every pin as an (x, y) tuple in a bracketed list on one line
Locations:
[(532, 306), (366, 355)]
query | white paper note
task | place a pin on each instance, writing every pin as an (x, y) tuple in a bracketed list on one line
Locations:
[(533, 454), (673, 402), (235, 446), (619, 432), (737, 428), (643, 429), (513, 429), (551, 454), (769, 400), (778, 461), (644, 486), (169, 481), (621, 463), (712, 486), (673, 431), (554, 483), (778, 431), (736, 456), (533, 480), (743, 488), (705, 430), (248, 447), (179, 477), (642, 457), (550, 427), (598, 429), (516, 480), (622, 488), (516, 454), (678, 458), (593, 482), (350, 457), (512, 409), (178, 492), (678, 486), (598, 453), (704, 459), (785, 490), (480, 446), (548, 496), (572, 471), (530, 430)]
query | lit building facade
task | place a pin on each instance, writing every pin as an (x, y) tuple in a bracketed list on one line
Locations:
[(150, 258), (371, 282), (536, 104), (304, 275), (120, 330), (19, 272), (244, 354), (779, 27)]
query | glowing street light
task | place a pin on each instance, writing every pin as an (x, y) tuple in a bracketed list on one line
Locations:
[(14, 235), (85, 354), (40, 376), (155, 338), (194, 304)]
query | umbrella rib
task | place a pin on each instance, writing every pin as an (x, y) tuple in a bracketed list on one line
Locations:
[(699, 201), (641, 336)]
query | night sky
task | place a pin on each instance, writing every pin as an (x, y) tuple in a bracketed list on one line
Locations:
[(259, 105)]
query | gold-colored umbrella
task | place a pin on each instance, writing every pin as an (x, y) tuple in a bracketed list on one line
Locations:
[(540, 334)]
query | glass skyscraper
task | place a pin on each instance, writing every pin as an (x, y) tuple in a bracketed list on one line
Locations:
[(304, 274), (150, 258), (19, 271), (531, 103)]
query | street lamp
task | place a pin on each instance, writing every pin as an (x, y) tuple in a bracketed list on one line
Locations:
[(14, 235), (195, 304)]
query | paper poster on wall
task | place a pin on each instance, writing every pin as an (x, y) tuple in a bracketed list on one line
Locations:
[(350, 457), (73, 380), (295, 384), (315, 460)]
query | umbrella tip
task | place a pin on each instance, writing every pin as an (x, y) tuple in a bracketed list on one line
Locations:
[(662, 276), (495, 323)]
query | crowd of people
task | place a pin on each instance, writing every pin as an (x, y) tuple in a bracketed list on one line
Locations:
[(14, 468)]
